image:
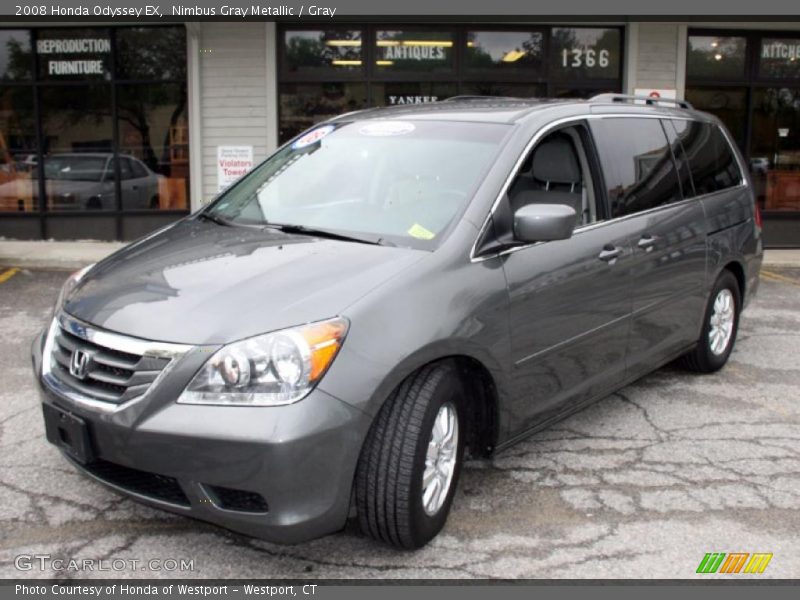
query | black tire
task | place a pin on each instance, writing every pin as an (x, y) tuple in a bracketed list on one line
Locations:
[(392, 463), (155, 202), (702, 359), (94, 203)]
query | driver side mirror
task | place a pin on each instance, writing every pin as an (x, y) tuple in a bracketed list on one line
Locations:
[(544, 222)]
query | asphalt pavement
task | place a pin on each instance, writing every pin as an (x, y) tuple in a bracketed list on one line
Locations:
[(640, 485)]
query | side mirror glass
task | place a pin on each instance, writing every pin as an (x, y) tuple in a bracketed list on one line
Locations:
[(544, 222)]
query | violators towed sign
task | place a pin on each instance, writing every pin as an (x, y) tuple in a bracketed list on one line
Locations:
[(232, 163)]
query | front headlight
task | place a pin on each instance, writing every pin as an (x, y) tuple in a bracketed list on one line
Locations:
[(268, 370), (70, 284)]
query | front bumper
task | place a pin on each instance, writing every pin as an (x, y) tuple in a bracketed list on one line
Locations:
[(299, 458)]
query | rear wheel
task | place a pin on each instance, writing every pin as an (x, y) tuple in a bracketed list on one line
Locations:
[(409, 467), (720, 325)]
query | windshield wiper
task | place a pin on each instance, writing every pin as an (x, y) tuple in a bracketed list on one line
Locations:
[(326, 233), (215, 219)]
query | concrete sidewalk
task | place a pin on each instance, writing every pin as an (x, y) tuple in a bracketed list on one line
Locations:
[(74, 255)]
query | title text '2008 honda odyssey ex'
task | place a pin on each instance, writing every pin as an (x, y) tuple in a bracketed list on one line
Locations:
[(389, 288)]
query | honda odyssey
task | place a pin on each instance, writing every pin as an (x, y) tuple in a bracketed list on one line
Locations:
[(389, 290)]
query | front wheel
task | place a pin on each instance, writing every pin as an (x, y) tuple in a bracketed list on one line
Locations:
[(720, 325), (409, 467)]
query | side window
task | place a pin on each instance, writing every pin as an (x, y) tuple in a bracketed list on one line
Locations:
[(673, 128), (138, 170), (557, 172), (713, 163), (637, 164), (124, 169)]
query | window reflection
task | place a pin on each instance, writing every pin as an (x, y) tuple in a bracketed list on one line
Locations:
[(15, 55), (17, 150), (775, 150), (716, 57), (729, 104), (151, 53), (322, 51), (77, 130), (154, 146), (499, 51), (303, 105)]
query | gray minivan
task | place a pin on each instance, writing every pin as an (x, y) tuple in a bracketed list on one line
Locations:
[(390, 288)]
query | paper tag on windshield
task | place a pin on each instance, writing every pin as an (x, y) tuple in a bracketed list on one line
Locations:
[(419, 232), (312, 137), (386, 128)]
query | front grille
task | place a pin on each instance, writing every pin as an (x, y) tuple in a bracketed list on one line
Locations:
[(150, 485), (239, 500), (111, 375)]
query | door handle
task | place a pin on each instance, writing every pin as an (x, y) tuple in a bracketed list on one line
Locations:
[(646, 242), (610, 254)]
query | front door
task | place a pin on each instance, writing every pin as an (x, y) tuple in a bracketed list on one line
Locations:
[(570, 300)]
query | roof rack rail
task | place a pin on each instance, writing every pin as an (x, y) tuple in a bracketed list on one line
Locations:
[(646, 99), (476, 97)]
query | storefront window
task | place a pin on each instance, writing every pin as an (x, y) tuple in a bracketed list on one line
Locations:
[(305, 104), (780, 58), (96, 119), (775, 148), (74, 54), (16, 62), (498, 52), (18, 185), (404, 65), (153, 146), (751, 81), (716, 57), (584, 53), (322, 52), (417, 51)]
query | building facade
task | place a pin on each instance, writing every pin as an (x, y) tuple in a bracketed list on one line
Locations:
[(110, 132)]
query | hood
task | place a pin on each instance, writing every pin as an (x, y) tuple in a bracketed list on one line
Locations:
[(203, 283)]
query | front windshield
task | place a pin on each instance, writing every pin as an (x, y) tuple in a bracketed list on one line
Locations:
[(392, 180)]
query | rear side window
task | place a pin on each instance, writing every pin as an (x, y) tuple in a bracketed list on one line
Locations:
[(637, 164), (711, 159)]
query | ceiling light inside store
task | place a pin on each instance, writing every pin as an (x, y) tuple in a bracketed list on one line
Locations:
[(339, 43), (718, 57), (346, 63), (513, 55), (435, 43)]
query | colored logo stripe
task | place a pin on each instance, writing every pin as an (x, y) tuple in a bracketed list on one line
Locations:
[(716, 561), (711, 562), (758, 563)]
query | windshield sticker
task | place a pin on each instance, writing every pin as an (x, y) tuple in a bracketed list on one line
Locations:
[(312, 137), (419, 232), (386, 128)]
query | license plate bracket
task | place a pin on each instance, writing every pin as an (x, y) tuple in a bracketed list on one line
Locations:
[(68, 432)]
